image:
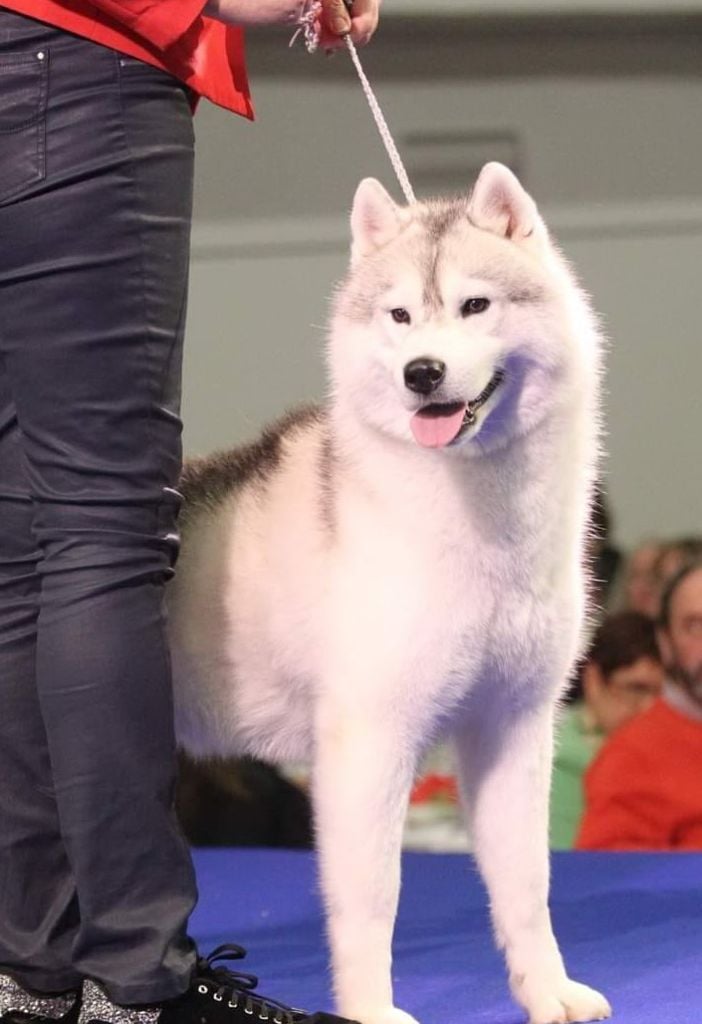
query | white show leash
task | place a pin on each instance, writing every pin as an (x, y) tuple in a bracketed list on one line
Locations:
[(309, 25)]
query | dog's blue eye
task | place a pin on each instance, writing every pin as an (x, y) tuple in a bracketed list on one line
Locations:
[(400, 315), (472, 306)]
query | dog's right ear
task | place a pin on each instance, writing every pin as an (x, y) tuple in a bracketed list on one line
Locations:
[(375, 218)]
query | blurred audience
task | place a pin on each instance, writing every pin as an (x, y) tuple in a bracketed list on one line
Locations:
[(649, 567), (675, 554), (640, 584), (644, 789), (622, 675)]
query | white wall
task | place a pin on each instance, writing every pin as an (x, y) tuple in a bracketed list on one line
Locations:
[(605, 130)]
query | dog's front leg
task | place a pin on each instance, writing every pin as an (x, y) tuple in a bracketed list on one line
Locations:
[(504, 762), (362, 780)]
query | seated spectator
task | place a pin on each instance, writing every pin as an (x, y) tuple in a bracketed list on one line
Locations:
[(644, 789), (622, 676), (673, 555)]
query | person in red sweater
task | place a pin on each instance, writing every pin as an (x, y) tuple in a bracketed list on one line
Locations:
[(644, 790), (96, 175)]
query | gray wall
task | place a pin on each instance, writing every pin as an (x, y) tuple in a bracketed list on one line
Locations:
[(602, 119)]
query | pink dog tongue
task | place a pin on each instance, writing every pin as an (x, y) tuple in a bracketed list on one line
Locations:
[(436, 431)]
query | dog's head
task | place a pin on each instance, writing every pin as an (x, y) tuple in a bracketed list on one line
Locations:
[(459, 324)]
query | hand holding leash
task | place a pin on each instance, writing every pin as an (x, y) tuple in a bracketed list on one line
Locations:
[(355, 18)]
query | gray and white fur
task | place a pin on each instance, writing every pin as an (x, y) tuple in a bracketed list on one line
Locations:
[(387, 568)]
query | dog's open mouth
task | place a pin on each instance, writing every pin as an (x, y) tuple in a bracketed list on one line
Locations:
[(442, 423)]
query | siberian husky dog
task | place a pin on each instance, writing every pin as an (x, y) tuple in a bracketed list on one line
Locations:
[(407, 562)]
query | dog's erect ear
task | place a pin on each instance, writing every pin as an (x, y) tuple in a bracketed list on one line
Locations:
[(498, 203), (375, 218)]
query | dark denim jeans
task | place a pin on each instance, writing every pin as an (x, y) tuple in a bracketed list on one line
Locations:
[(96, 155)]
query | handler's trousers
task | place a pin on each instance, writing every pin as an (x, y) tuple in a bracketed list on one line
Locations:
[(96, 158)]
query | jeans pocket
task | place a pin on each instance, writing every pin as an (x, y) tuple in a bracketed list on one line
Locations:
[(23, 91)]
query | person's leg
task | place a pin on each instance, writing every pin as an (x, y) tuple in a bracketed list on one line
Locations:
[(38, 906), (92, 300)]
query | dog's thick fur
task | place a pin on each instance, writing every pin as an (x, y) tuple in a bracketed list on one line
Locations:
[(351, 586)]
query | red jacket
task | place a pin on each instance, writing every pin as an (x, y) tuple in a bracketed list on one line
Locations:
[(170, 34), (643, 791)]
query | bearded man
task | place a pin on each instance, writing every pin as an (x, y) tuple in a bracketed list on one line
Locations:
[(644, 789)]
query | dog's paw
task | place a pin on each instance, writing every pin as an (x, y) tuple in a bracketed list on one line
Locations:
[(385, 1015), (570, 1003)]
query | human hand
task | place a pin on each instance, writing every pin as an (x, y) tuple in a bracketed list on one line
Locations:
[(336, 22)]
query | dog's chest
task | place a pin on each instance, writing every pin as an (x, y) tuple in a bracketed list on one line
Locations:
[(493, 616)]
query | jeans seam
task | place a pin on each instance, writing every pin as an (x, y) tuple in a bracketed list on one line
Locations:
[(158, 389), (139, 199)]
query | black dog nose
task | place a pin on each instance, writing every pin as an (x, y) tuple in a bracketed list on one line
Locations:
[(424, 375)]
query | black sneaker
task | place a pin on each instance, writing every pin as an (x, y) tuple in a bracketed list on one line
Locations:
[(19, 1005), (217, 995)]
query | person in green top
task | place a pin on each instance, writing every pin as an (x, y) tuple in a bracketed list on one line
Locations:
[(622, 675)]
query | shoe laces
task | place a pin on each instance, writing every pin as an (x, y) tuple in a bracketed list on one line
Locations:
[(237, 986)]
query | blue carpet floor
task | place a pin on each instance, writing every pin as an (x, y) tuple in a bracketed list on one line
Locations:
[(628, 924)]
